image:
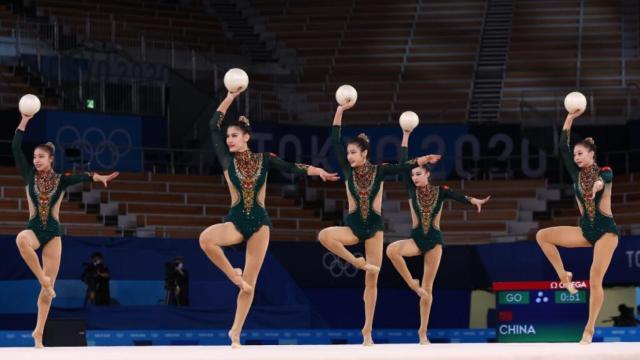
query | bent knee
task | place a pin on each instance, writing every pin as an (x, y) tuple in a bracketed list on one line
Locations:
[(23, 240), (541, 235), (205, 240), (324, 235), (392, 250)]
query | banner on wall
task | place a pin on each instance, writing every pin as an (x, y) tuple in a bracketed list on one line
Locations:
[(105, 142), (466, 153)]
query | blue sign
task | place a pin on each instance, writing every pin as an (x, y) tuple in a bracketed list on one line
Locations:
[(106, 142)]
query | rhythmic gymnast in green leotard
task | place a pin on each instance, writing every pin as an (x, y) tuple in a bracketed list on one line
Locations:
[(597, 229), (246, 175), (45, 190), (425, 202)]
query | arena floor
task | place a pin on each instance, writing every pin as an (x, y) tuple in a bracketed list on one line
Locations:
[(530, 351)]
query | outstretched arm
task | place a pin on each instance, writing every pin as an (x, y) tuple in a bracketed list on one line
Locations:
[(336, 138), (16, 147), (426, 160), (464, 199), (217, 137), (68, 180), (404, 156), (564, 147), (298, 168)]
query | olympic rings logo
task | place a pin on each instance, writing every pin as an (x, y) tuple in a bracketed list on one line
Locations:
[(105, 150), (338, 267)]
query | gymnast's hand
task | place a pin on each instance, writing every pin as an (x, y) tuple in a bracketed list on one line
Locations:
[(428, 159), (479, 202), (597, 186), (233, 95), (433, 158), (105, 178), (325, 176), (346, 106)]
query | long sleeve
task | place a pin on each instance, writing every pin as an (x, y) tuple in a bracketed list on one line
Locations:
[(567, 155), (278, 163), (68, 180), (338, 149), (406, 175), (448, 193), (219, 146), (394, 169), (18, 155)]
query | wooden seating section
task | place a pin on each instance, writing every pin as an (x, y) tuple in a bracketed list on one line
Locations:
[(181, 25), (398, 55), (554, 50)]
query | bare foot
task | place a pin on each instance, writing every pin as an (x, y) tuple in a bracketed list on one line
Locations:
[(587, 336), (235, 339), (422, 334), (416, 287), (371, 268), (47, 287), (37, 339), (566, 281), (239, 281), (360, 263), (367, 340)]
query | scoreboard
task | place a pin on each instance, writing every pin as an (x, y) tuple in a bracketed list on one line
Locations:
[(540, 311)]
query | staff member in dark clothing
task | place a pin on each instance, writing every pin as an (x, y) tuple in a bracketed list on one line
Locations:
[(176, 282), (96, 275)]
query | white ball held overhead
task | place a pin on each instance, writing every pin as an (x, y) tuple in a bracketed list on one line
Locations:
[(236, 80), (29, 105), (409, 120), (575, 101), (345, 94)]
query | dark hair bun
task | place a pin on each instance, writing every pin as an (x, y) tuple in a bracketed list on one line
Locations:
[(363, 136)]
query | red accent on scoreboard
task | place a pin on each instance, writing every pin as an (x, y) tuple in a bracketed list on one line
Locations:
[(505, 316)]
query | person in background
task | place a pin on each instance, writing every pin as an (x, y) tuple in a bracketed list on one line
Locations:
[(176, 283), (96, 275)]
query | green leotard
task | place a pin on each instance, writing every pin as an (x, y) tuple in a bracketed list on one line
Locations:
[(593, 222), (426, 204), (246, 174), (44, 193), (363, 183)]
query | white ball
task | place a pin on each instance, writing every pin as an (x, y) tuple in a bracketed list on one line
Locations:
[(29, 105), (345, 94), (236, 80), (575, 101), (409, 120)]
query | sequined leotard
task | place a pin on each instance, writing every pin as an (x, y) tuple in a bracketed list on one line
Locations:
[(246, 175), (426, 208), (364, 190), (45, 192), (593, 221)]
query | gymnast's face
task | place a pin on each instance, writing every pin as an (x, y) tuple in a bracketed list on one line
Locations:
[(583, 156), (237, 139), (420, 176), (355, 155), (42, 160)]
